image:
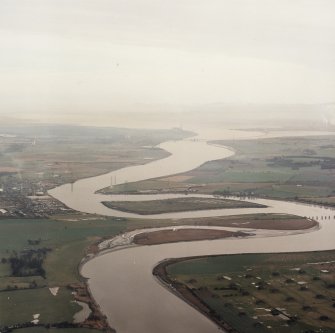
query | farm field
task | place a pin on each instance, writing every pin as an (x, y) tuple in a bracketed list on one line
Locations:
[(283, 168), (28, 290), (68, 239), (47, 251), (292, 292), (280, 168)]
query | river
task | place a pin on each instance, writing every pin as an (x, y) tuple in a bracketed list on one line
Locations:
[(122, 282)]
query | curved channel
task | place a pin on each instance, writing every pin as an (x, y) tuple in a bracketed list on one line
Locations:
[(123, 285), (184, 156), (122, 282)]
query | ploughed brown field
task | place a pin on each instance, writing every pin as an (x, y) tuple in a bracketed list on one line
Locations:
[(265, 221), (179, 235), (260, 221)]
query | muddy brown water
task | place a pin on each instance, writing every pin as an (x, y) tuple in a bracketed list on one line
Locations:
[(122, 282)]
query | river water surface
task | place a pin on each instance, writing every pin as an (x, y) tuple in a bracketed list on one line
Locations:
[(122, 282)]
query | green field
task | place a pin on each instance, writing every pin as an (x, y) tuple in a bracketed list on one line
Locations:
[(283, 168), (289, 168), (67, 239), (25, 303), (23, 296), (177, 205), (262, 292)]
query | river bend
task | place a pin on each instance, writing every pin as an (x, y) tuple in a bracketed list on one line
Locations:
[(122, 282)]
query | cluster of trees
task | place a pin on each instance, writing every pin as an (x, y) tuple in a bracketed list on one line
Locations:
[(29, 262), (34, 241), (323, 162), (32, 285), (290, 163)]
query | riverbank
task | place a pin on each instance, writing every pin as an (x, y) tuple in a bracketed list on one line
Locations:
[(285, 168), (96, 319), (132, 262), (289, 292), (187, 234), (186, 294), (65, 242)]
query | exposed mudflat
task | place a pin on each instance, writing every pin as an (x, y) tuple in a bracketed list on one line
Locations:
[(183, 235)]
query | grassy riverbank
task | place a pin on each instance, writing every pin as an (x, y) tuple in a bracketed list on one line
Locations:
[(38, 254), (68, 239), (298, 168), (26, 292), (283, 168), (292, 292), (178, 205)]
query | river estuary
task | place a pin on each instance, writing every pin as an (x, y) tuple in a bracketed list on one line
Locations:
[(122, 282)]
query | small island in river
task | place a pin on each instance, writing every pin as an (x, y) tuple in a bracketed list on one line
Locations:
[(150, 207)]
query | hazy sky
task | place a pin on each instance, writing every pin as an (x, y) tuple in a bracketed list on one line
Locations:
[(111, 55)]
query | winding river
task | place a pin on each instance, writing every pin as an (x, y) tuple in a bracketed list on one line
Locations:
[(122, 282)]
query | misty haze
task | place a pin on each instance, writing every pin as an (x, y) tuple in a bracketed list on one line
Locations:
[(167, 166)]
